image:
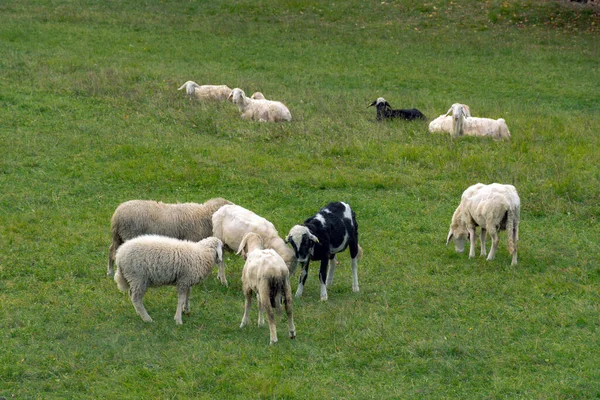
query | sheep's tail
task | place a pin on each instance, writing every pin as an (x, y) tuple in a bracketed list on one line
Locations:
[(121, 282), (512, 229), (274, 291)]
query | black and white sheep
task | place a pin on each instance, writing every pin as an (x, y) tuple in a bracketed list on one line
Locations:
[(266, 275), (320, 238), (385, 111), (493, 207), (186, 221), (206, 92), (232, 222), (153, 260)]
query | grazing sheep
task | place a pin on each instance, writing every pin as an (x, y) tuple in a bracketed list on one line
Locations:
[(493, 207), (265, 274), (259, 110), (385, 111), (443, 123), (258, 96), (320, 237), (187, 221), (153, 260), (464, 124), (206, 92), (232, 222)]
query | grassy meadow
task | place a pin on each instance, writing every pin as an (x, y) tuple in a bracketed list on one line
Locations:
[(90, 116)]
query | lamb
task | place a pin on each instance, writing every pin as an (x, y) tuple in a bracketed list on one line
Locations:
[(187, 221), (443, 123), (464, 124), (493, 207), (259, 110), (385, 111), (206, 92), (320, 237), (232, 222), (153, 260), (265, 274), (258, 96)]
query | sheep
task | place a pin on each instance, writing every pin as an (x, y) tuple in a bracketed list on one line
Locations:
[(443, 123), (493, 207), (259, 110), (384, 111), (320, 237), (206, 92), (232, 222), (154, 260), (258, 96), (265, 274), (464, 124), (188, 221)]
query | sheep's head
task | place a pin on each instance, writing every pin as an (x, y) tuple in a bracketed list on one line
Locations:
[(458, 232), (257, 96), (251, 241), (302, 241), (236, 96)]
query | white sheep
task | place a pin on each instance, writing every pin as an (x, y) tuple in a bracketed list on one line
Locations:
[(443, 123), (153, 260), (259, 110), (493, 207), (206, 92), (187, 221), (258, 96), (266, 275), (232, 222), (464, 124)]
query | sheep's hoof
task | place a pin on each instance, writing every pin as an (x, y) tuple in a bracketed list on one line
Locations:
[(147, 319), (355, 289), (324, 298), (273, 342), (292, 334)]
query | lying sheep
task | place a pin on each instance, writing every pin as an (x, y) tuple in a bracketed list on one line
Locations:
[(206, 92), (444, 123), (385, 111), (187, 221), (320, 238), (153, 260), (259, 110), (265, 274), (232, 222), (493, 207), (464, 124), (258, 96)]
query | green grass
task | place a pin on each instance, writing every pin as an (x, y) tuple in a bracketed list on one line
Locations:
[(90, 117)]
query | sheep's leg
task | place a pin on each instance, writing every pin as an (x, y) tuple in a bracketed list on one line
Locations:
[(472, 241), (136, 296), (302, 279), (221, 275), (186, 307), (182, 294), (112, 252), (288, 309), (247, 305), (483, 249), (261, 307), (323, 279), (355, 274), (495, 241), (332, 264), (271, 316)]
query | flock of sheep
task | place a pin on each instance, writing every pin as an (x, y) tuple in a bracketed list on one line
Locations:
[(457, 121), (156, 244)]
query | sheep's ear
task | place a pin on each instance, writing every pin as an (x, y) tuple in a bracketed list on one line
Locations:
[(449, 111), (313, 237), (372, 104), (287, 239), (450, 236)]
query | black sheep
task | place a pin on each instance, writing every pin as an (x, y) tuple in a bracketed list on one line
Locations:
[(384, 111)]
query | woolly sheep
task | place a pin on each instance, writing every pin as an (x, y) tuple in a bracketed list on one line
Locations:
[(464, 124), (232, 222), (385, 111), (493, 207), (153, 260), (206, 92), (187, 221), (259, 110), (320, 237), (265, 274)]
